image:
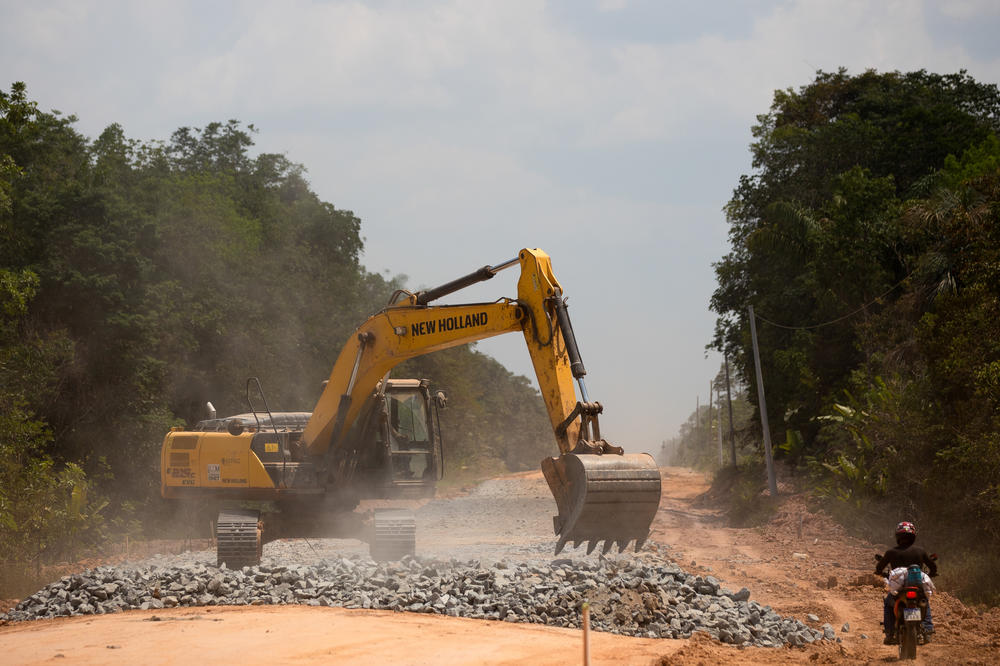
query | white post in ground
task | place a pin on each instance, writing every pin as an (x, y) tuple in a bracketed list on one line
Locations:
[(586, 634), (772, 484)]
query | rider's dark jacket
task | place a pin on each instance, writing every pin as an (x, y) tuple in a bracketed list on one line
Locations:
[(905, 556)]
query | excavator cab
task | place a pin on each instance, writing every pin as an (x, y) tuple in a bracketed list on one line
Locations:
[(410, 438), (407, 439)]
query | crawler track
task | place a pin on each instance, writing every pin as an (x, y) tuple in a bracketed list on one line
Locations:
[(395, 534), (238, 535)]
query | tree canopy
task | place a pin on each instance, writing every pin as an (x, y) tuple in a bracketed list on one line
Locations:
[(866, 240)]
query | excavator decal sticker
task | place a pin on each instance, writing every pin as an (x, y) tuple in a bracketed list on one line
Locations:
[(449, 324), (423, 328)]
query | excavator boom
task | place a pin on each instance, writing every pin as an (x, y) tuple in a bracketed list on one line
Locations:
[(601, 493)]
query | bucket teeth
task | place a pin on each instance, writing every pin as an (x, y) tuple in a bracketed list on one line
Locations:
[(607, 546), (639, 543), (560, 545), (622, 545), (591, 545)]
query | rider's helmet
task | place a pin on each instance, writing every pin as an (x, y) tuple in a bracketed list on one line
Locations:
[(906, 533)]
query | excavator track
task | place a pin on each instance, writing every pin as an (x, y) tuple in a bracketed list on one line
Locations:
[(394, 535), (238, 538), (609, 498)]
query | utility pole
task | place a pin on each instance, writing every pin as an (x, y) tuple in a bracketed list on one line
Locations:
[(708, 429), (729, 399), (718, 408), (772, 484)]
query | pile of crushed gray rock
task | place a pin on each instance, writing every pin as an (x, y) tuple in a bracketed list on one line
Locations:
[(629, 597)]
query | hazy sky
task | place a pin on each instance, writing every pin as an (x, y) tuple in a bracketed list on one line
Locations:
[(609, 133)]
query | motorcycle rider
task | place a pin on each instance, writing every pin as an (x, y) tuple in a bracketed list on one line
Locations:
[(905, 554)]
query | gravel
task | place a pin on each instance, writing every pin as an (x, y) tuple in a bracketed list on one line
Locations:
[(628, 596), (485, 556)]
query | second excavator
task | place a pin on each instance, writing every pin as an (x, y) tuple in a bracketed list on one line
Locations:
[(353, 446)]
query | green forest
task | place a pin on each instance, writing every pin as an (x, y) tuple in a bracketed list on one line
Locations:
[(867, 239), (141, 279)]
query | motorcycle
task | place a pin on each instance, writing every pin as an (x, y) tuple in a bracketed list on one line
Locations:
[(910, 607)]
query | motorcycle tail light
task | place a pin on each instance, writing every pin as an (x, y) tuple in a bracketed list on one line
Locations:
[(911, 594)]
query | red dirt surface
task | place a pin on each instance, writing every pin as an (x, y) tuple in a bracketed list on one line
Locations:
[(802, 562), (798, 563)]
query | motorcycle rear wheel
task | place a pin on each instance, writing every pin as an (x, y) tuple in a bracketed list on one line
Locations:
[(908, 641)]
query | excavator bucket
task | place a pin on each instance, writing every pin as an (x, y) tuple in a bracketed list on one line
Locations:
[(609, 498)]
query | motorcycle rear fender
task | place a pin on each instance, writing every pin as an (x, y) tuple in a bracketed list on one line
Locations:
[(902, 602)]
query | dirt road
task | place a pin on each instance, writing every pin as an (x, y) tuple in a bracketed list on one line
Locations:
[(803, 563), (783, 564)]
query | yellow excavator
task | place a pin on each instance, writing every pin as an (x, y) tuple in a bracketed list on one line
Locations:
[(370, 436)]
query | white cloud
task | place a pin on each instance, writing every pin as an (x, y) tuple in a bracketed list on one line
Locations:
[(323, 56), (969, 9), (662, 89), (609, 6), (507, 67), (44, 26)]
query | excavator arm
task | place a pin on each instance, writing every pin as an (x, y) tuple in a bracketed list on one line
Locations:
[(600, 493)]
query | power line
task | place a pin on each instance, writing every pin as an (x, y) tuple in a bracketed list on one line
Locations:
[(838, 319)]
